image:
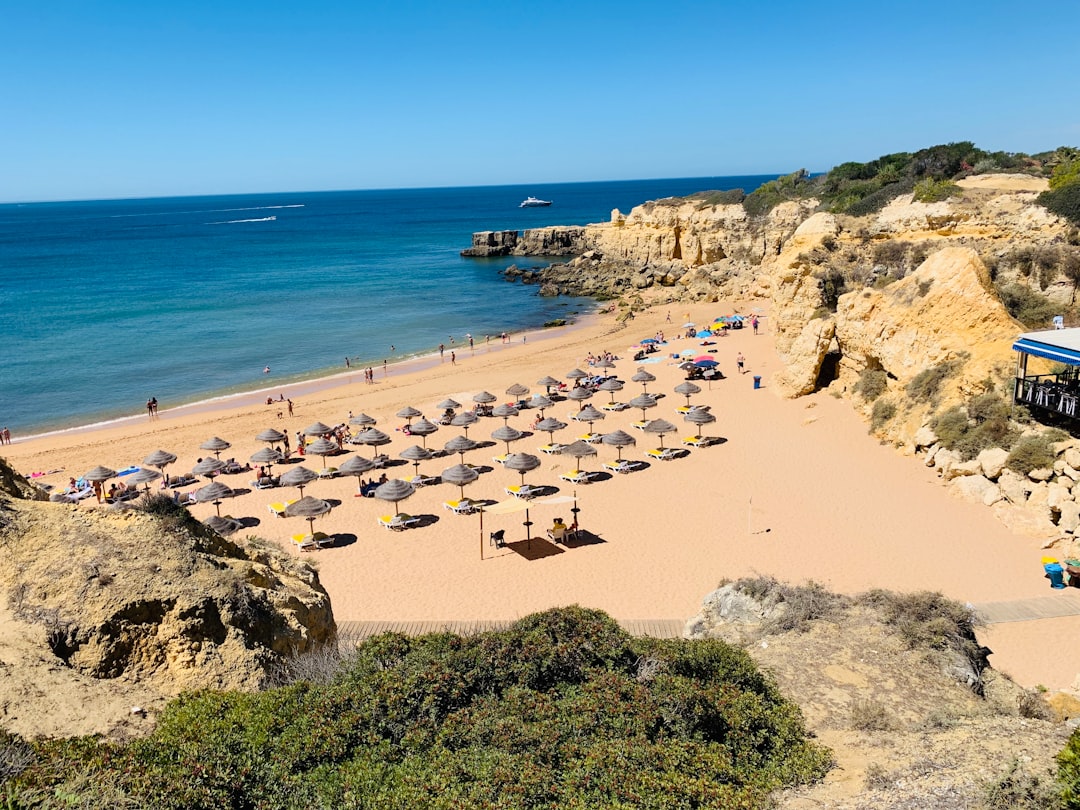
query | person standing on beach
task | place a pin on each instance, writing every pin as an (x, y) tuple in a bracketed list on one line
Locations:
[(288, 452), (150, 408), (740, 361), (442, 348), (347, 363), (453, 359), (470, 340), (289, 403), (754, 323), (3, 436)]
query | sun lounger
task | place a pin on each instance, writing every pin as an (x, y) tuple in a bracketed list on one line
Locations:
[(694, 441), (398, 522), (500, 459), (575, 477), (550, 449), (614, 406), (312, 542), (662, 453), (182, 481), (279, 508), (380, 460), (266, 482), (464, 507), (328, 472), (591, 438), (619, 466), (640, 425), (424, 480), (524, 491)]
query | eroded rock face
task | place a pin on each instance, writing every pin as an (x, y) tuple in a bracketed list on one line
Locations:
[(162, 601)]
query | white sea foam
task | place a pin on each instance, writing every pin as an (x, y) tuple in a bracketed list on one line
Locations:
[(234, 221), (208, 211)]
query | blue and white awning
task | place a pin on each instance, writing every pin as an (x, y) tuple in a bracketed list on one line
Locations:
[(1062, 345)]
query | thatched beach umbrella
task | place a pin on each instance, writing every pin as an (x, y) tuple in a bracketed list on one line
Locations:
[(459, 475), (588, 414), (522, 463), (604, 362), (643, 401), (576, 374), (505, 411), (213, 493), (268, 456), (308, 508), (643, 377), (448, 405), (208, 467), (215, 445), (363, 420), (460, 445), (611, 386), (463, 420), (160, 459), (485, 398), (270, 436), (579, 394), (298, 477), (660, 427), (415, 454), (408, 413), (619, 439), (540, 403), (699, 417), (372, 437), (394, 490), (356, 465), (142, 476), (223, 525), (549, 426), (688, 389), (318, 429), (506, 434), (322, 447), (579, 450), (548, 382), (423, 428), (100, 474), (517, 390)]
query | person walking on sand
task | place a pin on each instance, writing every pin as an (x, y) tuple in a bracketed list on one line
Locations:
[(453, 359), (740, 361), (442, 350), (754, 323), (289, 403)]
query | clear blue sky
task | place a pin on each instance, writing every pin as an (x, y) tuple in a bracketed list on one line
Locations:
[(132, 99)]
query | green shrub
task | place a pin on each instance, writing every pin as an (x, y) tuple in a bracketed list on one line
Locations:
[(1066, 172), (875, 201), (883, 411), (1031, 453), (800, 604), (1017, 789), (929, 190), (769, 195), (984, 424), (1027, 306), (872, 383), (1063, 201), (832, 283), (950, 426), (1069, 771), (926, 385), (869, 715)]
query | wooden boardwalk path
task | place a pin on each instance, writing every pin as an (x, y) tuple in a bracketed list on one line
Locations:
[(1053, 606), (657, 628)]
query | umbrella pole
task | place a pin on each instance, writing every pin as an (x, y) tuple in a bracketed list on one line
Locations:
[(481, 534), (528, 533)]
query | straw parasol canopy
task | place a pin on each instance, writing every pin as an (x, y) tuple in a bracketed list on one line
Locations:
[(372, 436), (213, 493), (208, 467), (699, 417), (408, 413), (223, 525), (460, 445), (548, 382), (308, 508), (423, 428), (506, 434), (484, 397), (99, 474), (268, 456), (415, 454), (643, 377), (579, 450), (459, 475), (517, 390), (298, 477), (142, 476), (463, 420), (522, 463), (270, 436), (576, 374), (660, 427), (394, 490), (579, 394), (604, 362), (687, 389), (611, 386), (549, 426), (588, 414), (505, 411), (160, 459), (448, 405), (317, 429), (215, 445), (363, 420), (356, 465), (540, 403), (619, 439), (643, 401), (322, 447)]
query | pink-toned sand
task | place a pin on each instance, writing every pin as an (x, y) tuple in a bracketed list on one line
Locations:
[(797, 490)]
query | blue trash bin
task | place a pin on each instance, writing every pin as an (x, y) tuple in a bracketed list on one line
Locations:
[(757, 381), (1056, 574)]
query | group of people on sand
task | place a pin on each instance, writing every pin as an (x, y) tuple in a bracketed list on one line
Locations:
[(592, 359), (368, 486), (151, 407), (5, 436)]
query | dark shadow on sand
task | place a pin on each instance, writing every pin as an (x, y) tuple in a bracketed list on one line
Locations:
[(535, 549), (342, 539), (425, 520), (583, 537)]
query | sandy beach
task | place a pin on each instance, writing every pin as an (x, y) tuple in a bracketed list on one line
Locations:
[(796, 490)]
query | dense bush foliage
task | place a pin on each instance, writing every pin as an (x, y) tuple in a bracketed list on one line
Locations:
[(1026, 305), (562, 710), (926, 385), (1063, 201), (872, 383), (1069, 771), (929, 190), (882, 412), (1032, 453), (983, 424), (766, 197)]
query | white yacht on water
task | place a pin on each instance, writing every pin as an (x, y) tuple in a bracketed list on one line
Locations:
[(533, 202)]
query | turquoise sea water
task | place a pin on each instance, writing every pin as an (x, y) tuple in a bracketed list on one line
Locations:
[(106, 303)]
